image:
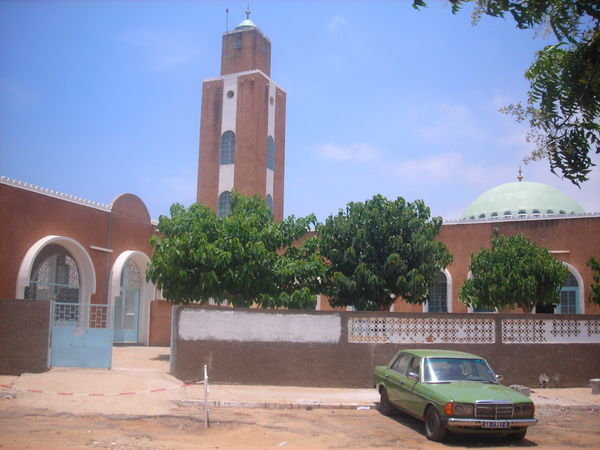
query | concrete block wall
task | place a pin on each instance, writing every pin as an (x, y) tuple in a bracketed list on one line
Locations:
[(315, 348), (24, 336)]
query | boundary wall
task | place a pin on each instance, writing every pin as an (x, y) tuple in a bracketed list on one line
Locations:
[(24, 336), (340, 349)]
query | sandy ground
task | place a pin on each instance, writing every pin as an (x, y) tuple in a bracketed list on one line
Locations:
[(22, 427)]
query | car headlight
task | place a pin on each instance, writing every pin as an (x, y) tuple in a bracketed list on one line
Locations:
[(523, 410), (458, 409)]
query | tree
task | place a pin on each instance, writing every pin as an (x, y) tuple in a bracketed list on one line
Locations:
[(379, 250), (594, 264), (244, 258), (563, 106), (514, 272)]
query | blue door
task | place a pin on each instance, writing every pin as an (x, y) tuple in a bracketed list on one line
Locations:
[(127, 305)]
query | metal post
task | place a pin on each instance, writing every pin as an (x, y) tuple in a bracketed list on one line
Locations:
[(205, 397)]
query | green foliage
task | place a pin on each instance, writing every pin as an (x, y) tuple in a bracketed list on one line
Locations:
[(379, 250), (563, 106), (514, 272), (244, 258), (594, 264)]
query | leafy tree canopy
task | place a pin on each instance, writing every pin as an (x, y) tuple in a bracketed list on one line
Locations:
[(594, 264), (379, 250), (245, 258), (563, 106), (514, 272)]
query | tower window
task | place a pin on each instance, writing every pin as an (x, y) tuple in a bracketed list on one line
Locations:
[(224, 204), (269, 202), (270, 153), (237, 43), (227, 147)]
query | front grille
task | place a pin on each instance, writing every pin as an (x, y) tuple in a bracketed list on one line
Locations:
[(493, 410)]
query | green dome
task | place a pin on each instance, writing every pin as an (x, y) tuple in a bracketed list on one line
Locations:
[(246, 24), (520, 200)]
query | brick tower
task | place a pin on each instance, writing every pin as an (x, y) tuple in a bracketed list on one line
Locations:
[(242, 125)]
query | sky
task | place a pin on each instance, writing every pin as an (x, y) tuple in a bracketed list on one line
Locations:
[(100, 98)]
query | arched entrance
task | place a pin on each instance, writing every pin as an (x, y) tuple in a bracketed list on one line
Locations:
[(127, 305), (131, 295)]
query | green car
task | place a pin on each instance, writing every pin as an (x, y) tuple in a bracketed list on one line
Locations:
[(452, 391)]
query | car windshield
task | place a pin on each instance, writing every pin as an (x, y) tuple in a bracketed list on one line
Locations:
[(444, 370)]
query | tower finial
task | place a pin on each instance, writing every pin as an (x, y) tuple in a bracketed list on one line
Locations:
[(520, 176), (248, 11)]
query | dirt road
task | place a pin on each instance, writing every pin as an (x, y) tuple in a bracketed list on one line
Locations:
[(263, 428)]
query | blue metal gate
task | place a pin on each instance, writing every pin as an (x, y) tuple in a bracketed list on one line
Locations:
[(81, 335)]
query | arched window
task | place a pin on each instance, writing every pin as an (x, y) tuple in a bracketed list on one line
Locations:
[(269, 201), (482, 216), (270, 153), (522, 213), (224, 206), (569, 296), (494, 214), (438, 296), (228, 147), (54, 276), (536, 213), (507, 215)]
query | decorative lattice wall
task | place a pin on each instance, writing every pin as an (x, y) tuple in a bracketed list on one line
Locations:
[(553, 331), (376, 330)]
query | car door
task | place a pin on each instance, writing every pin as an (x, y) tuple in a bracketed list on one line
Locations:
[(396, 377), (410, 400)]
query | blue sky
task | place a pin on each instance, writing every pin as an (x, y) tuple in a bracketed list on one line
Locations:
[(98, 98)]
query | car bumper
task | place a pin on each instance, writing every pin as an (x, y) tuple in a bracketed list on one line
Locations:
[(485, 424)]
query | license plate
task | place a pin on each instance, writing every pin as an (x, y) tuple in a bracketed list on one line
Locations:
[(495, 424)]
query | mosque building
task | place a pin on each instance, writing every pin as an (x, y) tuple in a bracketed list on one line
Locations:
[(72, 250)]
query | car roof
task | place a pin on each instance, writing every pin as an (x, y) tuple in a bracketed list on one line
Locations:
[(434, 353)]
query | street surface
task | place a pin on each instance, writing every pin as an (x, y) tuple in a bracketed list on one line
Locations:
[(22, 427)]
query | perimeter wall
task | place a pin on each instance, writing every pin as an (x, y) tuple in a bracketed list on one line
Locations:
[(24, 336), (340, 349)]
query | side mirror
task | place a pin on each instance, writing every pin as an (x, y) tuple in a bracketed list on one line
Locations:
[(413, 376), (499, 378)]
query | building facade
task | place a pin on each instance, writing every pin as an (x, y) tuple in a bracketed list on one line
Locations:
[(69, 250), (242, 126), (73, 251)]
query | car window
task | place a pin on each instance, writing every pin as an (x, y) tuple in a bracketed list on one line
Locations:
[(401, 364), (457, 369), (415, 365)]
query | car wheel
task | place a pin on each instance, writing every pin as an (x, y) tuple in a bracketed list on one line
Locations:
[(434, 428), (385, 407), (518, 436)]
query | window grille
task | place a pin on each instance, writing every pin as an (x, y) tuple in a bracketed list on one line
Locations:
[(269, 202), (568, 296), (270, 153), (54, 276), (224, 204), (439, 295), (130, 277), (227, 152)]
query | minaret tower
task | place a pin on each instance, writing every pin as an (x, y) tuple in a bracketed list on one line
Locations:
[(242, 125)]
